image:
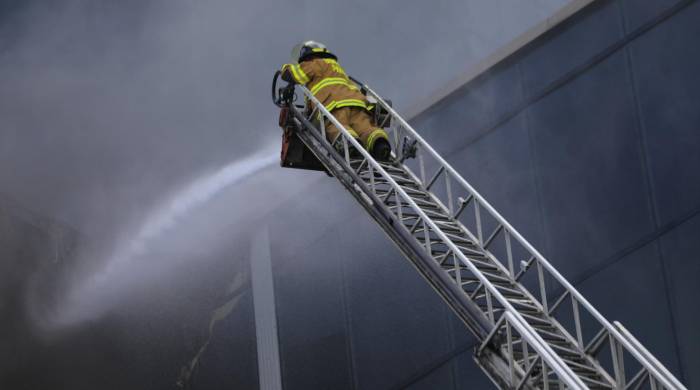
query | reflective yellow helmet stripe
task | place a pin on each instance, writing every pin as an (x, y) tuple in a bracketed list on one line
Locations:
[(332, 81), (374, 136)]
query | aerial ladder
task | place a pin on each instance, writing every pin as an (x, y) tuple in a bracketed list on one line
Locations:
[(534, 329)]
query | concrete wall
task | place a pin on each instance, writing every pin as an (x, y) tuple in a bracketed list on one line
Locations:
[(587, 141)]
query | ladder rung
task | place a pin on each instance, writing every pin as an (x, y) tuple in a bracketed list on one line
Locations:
[(424, 205), (458, 238), (581, 360), (427, 205), (431, 214), (448, 227), (472, 252), (416, 192), (420, 200), (551, 335), (405, 185), (438, 215), (597, 383), (580, 367), (526, 306), (450, 224), (381, 179), (511, 291), (411, 192), (462, 247), (547, 328), (467, 281), (530, 318), (497, 278), (563, 349), (483, 265)]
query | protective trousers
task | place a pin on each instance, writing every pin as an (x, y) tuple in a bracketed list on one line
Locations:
[(358, 123)]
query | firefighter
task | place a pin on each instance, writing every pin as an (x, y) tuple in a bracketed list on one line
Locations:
[(318, 69)]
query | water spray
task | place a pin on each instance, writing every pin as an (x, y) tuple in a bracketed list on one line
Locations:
[(89, 299)]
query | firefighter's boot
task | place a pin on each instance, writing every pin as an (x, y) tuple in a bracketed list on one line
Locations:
[(381, 150)]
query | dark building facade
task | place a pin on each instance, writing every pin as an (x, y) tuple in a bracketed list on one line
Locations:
[(587, 139)]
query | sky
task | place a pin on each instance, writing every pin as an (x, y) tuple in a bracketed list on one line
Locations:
[(121, 119)]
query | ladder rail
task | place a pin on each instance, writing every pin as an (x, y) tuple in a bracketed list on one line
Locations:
[(347, 141), (663, 376)]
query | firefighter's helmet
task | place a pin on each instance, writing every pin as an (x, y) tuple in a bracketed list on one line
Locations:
[(310, 49)]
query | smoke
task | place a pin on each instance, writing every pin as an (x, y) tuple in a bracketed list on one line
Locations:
[(106, 105), (95, 293)]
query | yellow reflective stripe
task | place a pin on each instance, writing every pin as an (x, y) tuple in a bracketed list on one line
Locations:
[(303, 78), (298, 74), (351, 103), (325, 82), (292, 69), (374, 135), (331, 106), (332, 81), (346, 103), (352, 132)]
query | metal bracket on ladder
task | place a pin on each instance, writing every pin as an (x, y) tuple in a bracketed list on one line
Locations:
[(536, 330)]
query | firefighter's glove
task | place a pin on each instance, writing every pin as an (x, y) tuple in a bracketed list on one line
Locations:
[(287, 74)]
